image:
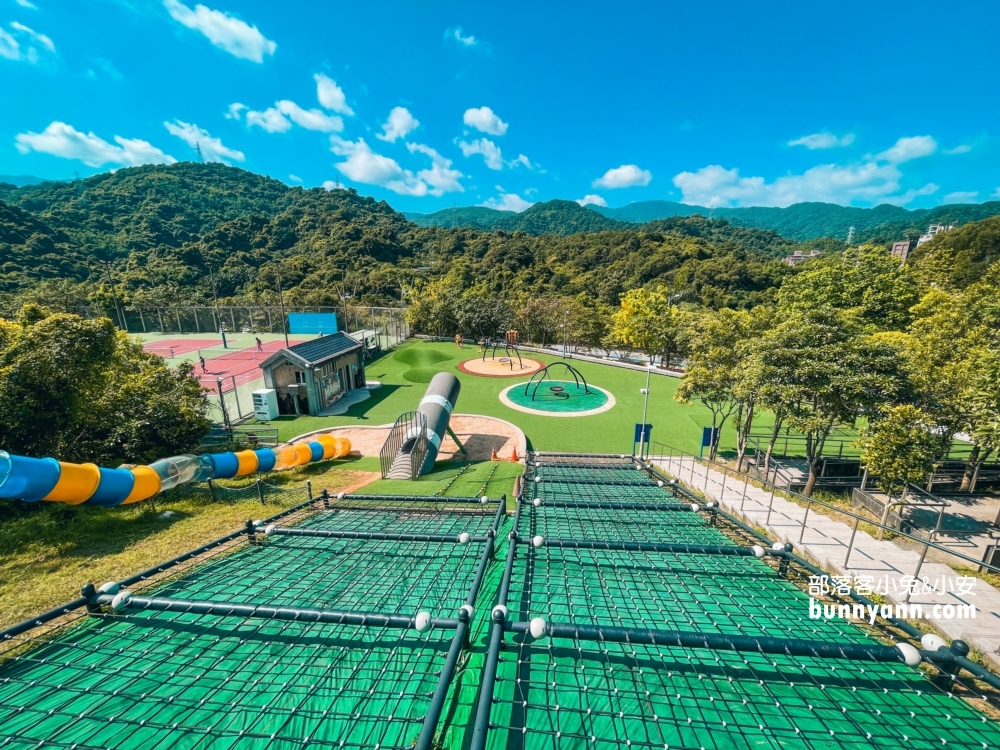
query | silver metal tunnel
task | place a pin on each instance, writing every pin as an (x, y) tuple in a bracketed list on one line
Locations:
[(437, 406)]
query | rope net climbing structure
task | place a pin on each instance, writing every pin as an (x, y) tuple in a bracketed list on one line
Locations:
[(618, 643), (344, 639)]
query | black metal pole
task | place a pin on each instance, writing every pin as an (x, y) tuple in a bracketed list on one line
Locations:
[(263, 612), (215, 298), (718, 641), (281, 301), (114, 295)]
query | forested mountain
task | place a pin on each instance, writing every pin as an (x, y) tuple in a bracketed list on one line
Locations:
[(801, 221), (20, 180), (163, 227), (550, 217)]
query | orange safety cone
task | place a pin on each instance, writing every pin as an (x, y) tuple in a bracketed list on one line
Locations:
[(494, 456), (513, 456)]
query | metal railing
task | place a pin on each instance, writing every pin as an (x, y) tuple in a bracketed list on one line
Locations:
[(407, 438), (239, 438), (669, 454)]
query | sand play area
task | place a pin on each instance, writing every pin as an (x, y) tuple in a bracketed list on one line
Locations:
[(500, 367), (480, 436)]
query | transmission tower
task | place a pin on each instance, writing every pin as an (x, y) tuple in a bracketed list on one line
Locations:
[(197, 147), (850, 235)]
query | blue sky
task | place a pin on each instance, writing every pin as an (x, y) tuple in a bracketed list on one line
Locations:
[(504, 104)]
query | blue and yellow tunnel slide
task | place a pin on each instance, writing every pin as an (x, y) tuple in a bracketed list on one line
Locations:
[(49, 480)]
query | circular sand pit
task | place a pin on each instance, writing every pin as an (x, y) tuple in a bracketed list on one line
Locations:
[(500, 367), (558, 398)]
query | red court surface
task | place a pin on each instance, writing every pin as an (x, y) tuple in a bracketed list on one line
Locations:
[(243, 366), (176, 347)]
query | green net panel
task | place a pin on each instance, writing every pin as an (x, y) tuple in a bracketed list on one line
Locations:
[(576, 693), (147, 679)]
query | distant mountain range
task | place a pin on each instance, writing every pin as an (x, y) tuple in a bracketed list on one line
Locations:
[(21, 180), (801, 221)]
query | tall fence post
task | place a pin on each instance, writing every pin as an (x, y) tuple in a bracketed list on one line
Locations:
[(746, 483), (211, 490), (806, 516), (309, 489), (916, 573), (725, 475), (770, 504), (260, 491), (850, 546)]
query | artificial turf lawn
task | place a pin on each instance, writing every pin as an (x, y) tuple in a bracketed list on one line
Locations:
[(405, 371)]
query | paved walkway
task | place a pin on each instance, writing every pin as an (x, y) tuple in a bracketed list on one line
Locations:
[(883, 565)]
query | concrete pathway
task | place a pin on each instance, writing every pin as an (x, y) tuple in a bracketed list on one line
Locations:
[(885, 567)]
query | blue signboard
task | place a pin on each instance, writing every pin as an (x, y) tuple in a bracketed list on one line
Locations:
[(709, 436), (325, 323), (639, 433)]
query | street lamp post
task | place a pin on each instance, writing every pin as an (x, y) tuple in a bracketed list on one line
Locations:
[(215, 298), (645, 406), (281, 301)]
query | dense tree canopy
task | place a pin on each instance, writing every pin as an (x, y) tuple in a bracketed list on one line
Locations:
[(80, 390)]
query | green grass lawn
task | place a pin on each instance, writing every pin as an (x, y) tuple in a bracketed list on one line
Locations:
[(406, 370)]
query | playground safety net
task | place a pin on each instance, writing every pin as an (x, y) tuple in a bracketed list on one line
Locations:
[(344, 624), (596, 554), (349, 616)]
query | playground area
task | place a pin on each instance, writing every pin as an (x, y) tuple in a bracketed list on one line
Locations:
[(609, 610)]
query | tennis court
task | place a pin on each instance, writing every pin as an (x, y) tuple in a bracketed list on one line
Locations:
[(241, 365), (171, 348)]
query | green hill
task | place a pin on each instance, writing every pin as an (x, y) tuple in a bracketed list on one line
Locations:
[(163, 227), (550, 217), (807, 221)]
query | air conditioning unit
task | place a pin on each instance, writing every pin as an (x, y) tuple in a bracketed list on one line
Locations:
[(265, 404)]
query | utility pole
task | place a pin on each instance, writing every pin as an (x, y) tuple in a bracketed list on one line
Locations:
[(90, 278), (119, 312), (281, 301)]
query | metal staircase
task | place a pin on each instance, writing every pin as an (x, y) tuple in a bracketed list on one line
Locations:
[(405, 448)]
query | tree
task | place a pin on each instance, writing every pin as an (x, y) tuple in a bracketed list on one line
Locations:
[(867, 281), (898, 450), (648, 322), (480, 314), (822, 371), (81, 391), (713, 367)]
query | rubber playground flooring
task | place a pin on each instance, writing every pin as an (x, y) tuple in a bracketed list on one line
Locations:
[(156, 679)]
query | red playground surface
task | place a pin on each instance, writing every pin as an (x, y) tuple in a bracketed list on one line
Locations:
[(169, 348), (243, 365)]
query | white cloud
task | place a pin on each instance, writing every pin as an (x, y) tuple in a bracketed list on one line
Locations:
[(906, 149), (24, 43), (310, 119), (963, 148), (521, 160), (627, 175), (235, 111), (223, 30), (962, 196), (294, 178), (26, 4), (440, 178), (995, 194), (331, 96), (592, 200), (484, 120), (456, 34), (715, 186), (822, 140), (65, 141), (212, 149), (331, 185), (507, 202), (365, 166), (400, 123), (489, 150), (271, 120), (279, 118), (34, 35)]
